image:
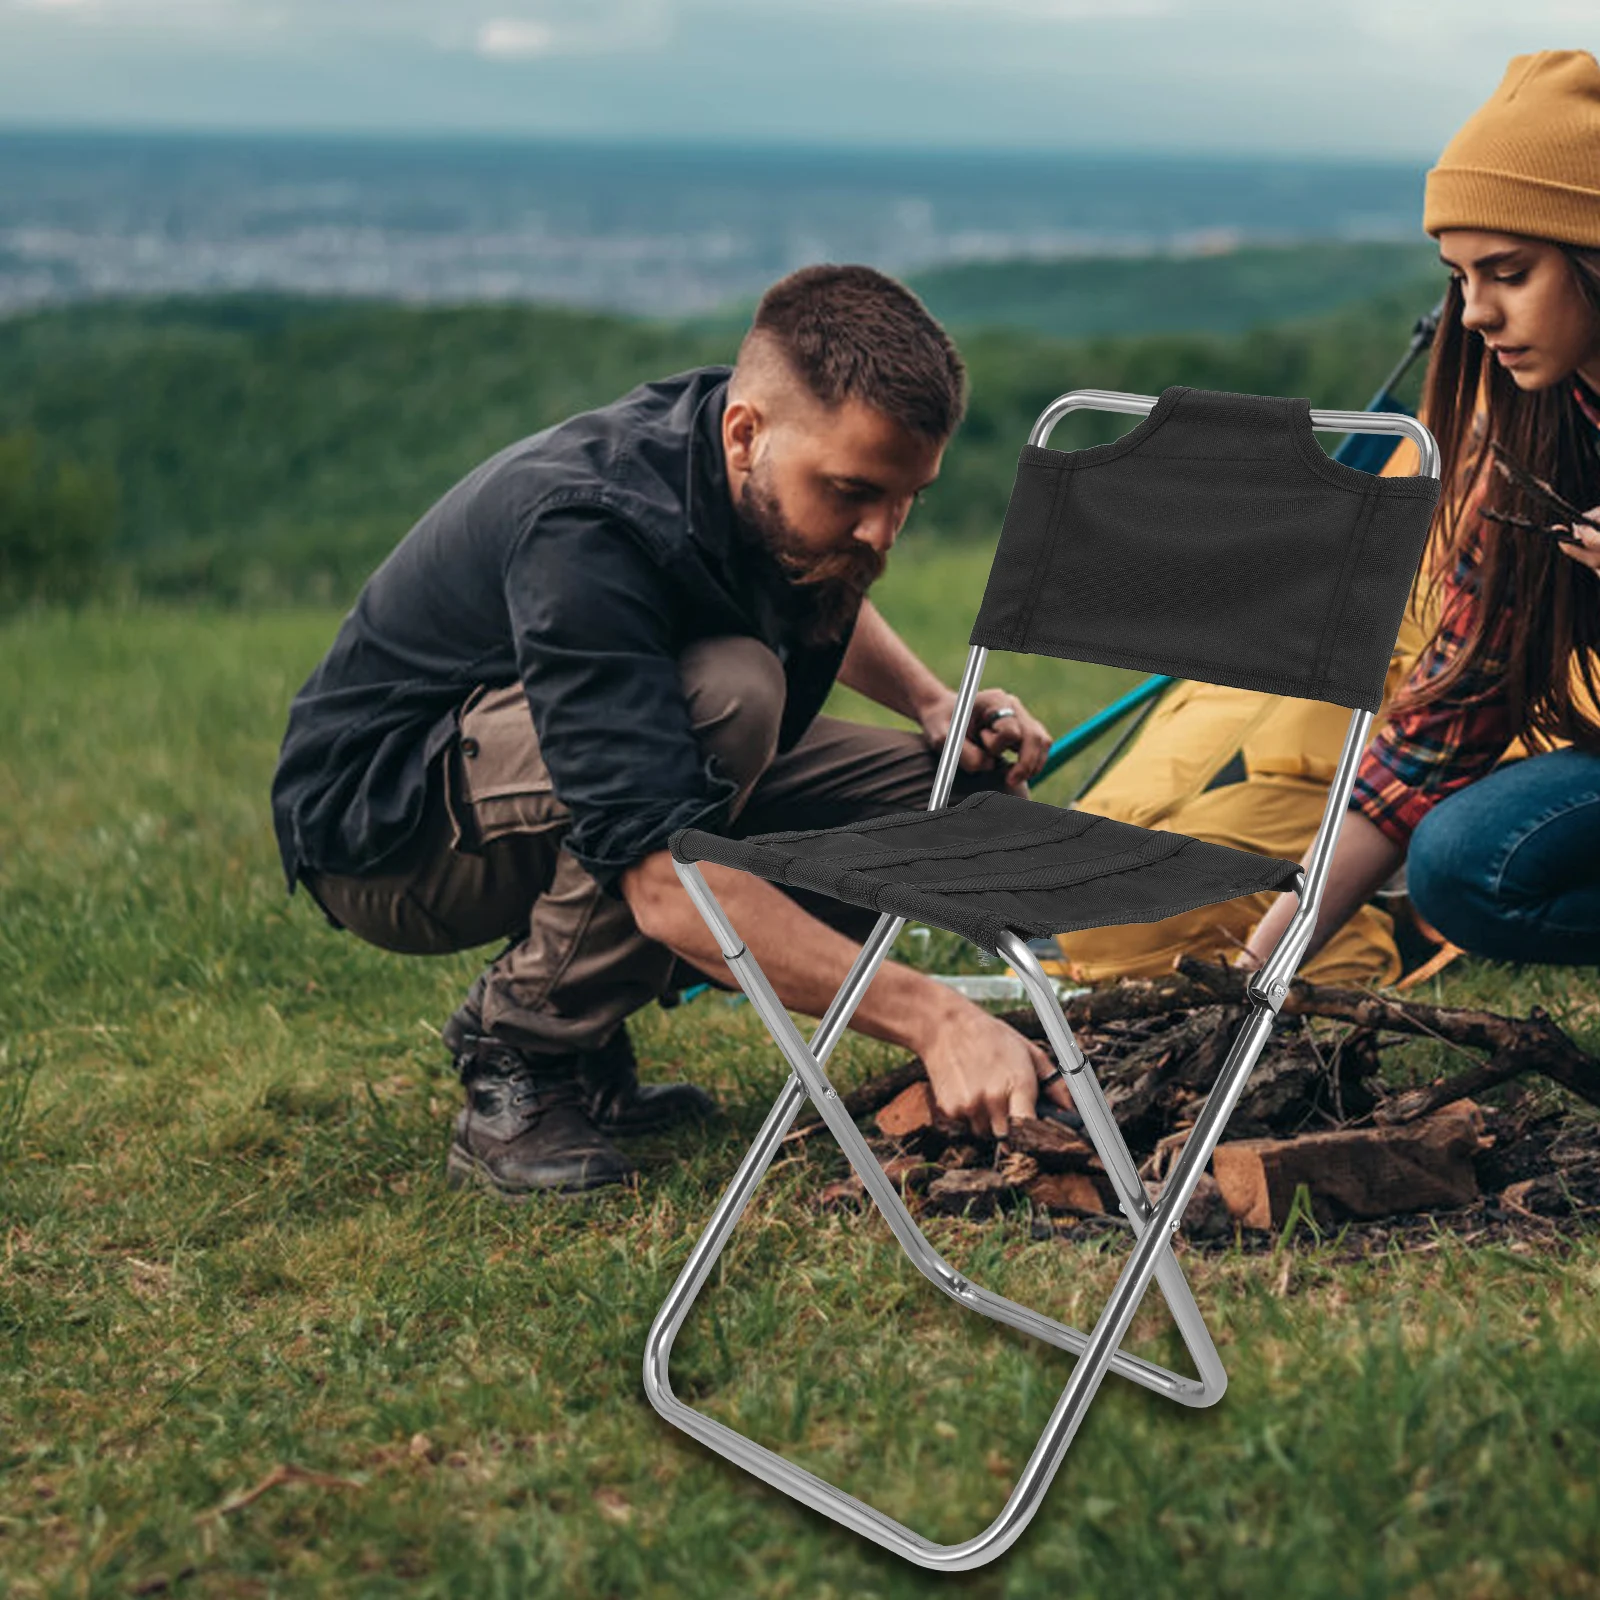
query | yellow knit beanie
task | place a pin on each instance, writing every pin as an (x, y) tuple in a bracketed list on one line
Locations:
[(1528, 160)]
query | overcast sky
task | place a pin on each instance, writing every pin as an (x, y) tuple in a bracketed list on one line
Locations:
[(1389, 78)]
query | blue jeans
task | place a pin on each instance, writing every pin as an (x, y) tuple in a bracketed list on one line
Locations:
[(1509, 867)]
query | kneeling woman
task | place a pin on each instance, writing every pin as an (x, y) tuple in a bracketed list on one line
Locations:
[(1503, 861)]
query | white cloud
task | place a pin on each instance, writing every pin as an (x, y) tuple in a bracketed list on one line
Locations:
[(1369, 76), (1456, 24), (1437, 23), (515, 38), (1440, 21), (1050, 10), (498, 30), (564, 28)]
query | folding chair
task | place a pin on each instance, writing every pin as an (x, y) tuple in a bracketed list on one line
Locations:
[(1216, 541)]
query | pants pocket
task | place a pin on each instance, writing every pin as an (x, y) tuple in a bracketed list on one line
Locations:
[(499, 783)]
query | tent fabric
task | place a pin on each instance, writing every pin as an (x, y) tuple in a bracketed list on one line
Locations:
[(1289, 751), (1177, 774), (1215, 541), (998, 861)]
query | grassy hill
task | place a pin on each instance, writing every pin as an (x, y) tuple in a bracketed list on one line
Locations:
[(256, 1345), (270, 448), (1224, 293), (267, 445)]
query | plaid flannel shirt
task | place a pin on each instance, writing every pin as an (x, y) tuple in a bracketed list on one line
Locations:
[(1418, 759)]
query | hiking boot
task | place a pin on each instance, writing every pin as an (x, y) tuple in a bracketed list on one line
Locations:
[(620, 1105), (525, 1127), (617, 1103)]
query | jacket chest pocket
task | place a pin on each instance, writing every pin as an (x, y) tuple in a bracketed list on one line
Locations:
[(500, 784)]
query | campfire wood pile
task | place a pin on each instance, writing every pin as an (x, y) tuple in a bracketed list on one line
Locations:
[(1315, 1129)]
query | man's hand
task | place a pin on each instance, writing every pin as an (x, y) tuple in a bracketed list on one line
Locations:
[(984, 1073), (981, 1070), (880, 665), (999, 722)]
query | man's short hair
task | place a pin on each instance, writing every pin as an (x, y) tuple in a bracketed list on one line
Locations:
[(851, 332)]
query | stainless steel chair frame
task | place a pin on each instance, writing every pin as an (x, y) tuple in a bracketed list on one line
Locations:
[(1153, 1225)]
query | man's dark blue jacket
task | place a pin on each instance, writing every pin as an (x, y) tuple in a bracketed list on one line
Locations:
[(580, 561)]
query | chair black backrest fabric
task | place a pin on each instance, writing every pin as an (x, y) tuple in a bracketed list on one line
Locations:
[(1215, 541)]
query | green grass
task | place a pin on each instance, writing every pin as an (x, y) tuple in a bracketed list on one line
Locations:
[(226, 1245)]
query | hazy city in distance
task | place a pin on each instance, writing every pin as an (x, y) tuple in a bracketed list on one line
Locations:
[(661, 230)]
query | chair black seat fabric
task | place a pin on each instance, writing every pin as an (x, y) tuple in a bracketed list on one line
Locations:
[(997, 861)]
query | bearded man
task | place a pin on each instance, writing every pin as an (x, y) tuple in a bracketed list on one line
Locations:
[(621, 626)]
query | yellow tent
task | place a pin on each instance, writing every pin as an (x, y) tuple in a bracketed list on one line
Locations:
[(1289, 749)]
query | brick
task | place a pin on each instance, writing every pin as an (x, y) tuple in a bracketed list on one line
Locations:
[(1068, 1191), (911, 1111), (1356, 1172)]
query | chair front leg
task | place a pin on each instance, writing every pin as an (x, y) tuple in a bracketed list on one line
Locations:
[(1197, 1391), (1121, 1169)]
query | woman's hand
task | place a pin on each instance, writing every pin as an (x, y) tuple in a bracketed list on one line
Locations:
[(999, 722), (1364, 858), (1587, 551)]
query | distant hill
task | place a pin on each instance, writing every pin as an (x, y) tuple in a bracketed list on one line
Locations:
[(265, 445), (268, 448), (1224, 293)]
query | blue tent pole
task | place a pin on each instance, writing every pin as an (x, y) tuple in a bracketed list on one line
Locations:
[(1370, 452), (1085, 734)]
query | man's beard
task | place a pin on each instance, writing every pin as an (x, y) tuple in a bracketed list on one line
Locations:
[(840, 577)]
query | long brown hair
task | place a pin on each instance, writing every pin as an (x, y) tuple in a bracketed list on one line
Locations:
[(1552, 602)]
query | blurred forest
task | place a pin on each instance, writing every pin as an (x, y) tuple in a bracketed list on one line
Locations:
[(263, 450), (1230, 291)]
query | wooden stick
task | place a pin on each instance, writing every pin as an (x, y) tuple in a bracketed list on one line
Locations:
[(284, 1472), (1536, 1041), (1411, 1104), (1515, 1045), (1431, 968)]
